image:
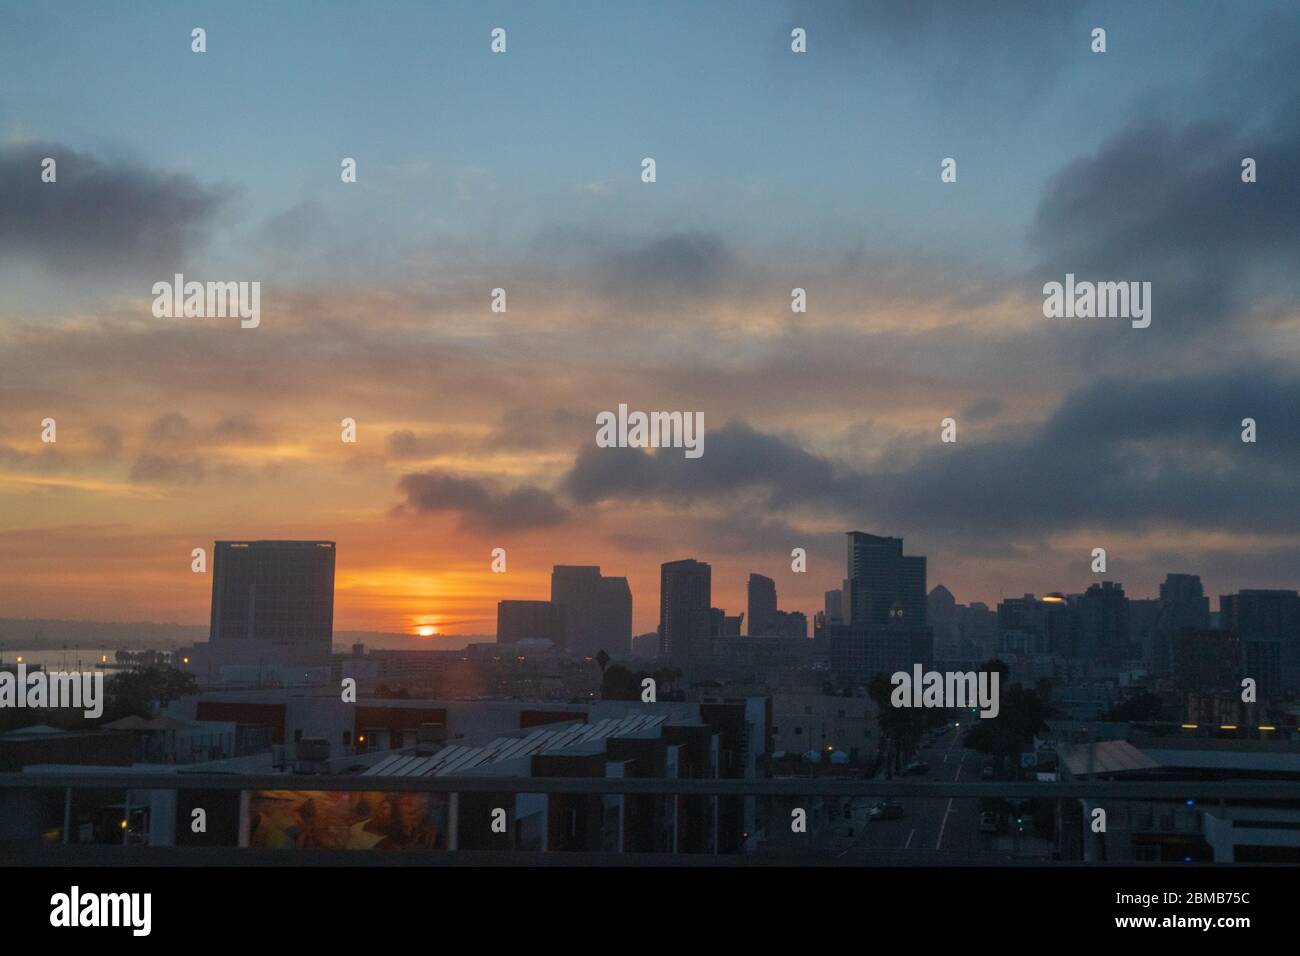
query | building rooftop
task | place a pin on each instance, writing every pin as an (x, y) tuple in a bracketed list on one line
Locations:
[(459, 758)]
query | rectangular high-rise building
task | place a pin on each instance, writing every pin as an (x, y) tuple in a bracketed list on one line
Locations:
[(762, 606), (1103, 631), (1267, 622), (598, 610), (885, 586), (685, 615), (277, 593), (884, 603), (834, 614), (576, 588), (615, 618)]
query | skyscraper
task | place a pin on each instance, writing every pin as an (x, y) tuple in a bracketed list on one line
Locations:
[(1267, 622), (615, 617), (598, 610), (884, 585), (275, 594), (834, 605), (685, 596), (885, 597), (762, 605), (1104, 631), (1182, 604), (576, 588)]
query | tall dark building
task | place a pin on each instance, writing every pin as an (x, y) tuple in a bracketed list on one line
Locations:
[(884, 585), (598, 610), (576, 588), (885, 598), (685, 611), (1268, 625), (615, 636), (530, 620), (277, 593), (1182, 604), (1104, 630), (1031, 625), (762, 605)]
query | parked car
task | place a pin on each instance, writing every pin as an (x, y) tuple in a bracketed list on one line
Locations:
[(916, 767), (988, 822)]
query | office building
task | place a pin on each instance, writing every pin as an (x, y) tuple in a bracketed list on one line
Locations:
[(762, 605), (273, 598), (1267, 622), (598, 610), (685, 615), (884, 585), (887, 628)]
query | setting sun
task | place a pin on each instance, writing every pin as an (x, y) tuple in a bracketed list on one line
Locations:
[(428, 630)]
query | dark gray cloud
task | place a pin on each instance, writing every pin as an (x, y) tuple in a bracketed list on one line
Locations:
[(1123, 455), (1166, 204), (480, 504), (99, 217), (736, 457)]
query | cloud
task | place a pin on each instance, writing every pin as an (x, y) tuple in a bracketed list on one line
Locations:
[(736, 457), (1116, 454), (1010, 50), (480, 504), (1165, 204), (99, 217), (167, 470), (681, 265)]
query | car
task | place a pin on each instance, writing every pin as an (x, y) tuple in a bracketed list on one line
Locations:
[(916, 767), (988, 822), (987, 773), (885, 810)]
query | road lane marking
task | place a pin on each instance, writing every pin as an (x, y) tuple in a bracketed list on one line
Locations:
[(940, 840), (908, 844)]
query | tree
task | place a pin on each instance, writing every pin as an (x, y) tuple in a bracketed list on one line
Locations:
[(900, 727), (619, 683), (1021, 714), (138, 691), (1146, 706)]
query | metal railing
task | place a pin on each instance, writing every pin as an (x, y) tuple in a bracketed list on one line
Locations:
[(767, 787)]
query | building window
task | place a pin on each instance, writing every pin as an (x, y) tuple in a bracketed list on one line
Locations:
[(347, 738), (798, 731)]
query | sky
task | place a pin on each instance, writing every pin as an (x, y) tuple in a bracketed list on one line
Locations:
[(522, 171)]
